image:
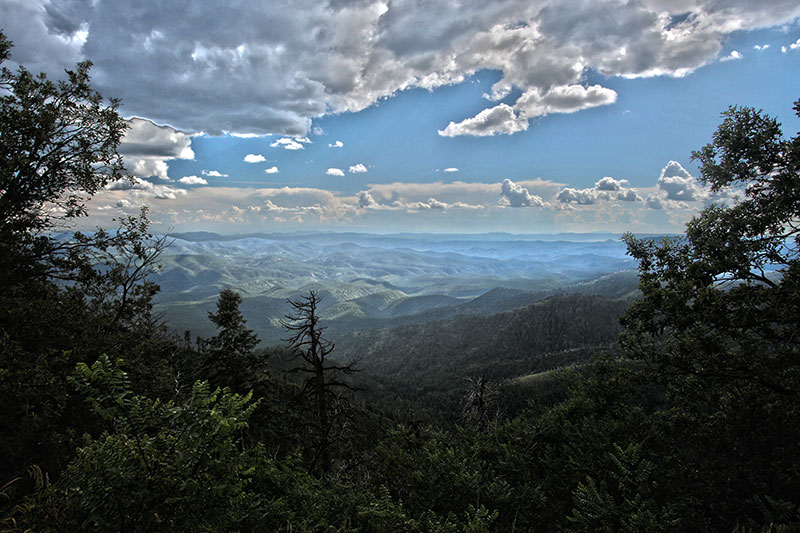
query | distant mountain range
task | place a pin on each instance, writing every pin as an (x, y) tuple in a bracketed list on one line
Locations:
[(372, 281)]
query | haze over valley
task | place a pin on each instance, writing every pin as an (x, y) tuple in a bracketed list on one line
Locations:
[(367, 281)]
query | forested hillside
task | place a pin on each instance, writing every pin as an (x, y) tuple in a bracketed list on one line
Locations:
[(428, 363), (111, 422)]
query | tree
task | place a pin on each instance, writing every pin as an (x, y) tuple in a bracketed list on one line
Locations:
[(312, 350), (479, 397), (59, 143), (58, 146), (63, 297), (718, 325), (228, 353), (234, 338), (176, 465), (722, 302)]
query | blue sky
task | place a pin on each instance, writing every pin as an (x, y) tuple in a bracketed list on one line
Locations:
[(385, 116)]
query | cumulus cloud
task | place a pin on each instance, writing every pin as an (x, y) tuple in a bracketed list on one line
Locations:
[(678, 184), (564, 99), (578, 196), (144, 189), (610, 184), (733, 56), (654, 202), (357, 168), (505, 119), (365, 199), (456, 195), (517, 196), (254, 158), (290, 144), (451, 169), (337, 144), (213, 174), (147, 147), (192, 180), (334, 172), (761, 47), (678, 189), (433, 203), (628, 195), (282, 67), (605, 189), (271, 170), (498, 120)]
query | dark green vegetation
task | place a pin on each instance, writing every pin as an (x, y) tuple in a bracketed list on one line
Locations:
[(110, 423)]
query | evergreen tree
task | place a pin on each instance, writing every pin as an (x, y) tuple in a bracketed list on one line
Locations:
[(228, 354)]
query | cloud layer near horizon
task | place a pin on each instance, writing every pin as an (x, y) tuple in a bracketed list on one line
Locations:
[(182, 64), (438, 206)]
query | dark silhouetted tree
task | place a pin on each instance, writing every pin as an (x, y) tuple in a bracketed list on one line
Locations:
[(312, 351), (228, 353), (718, 324), (479, 400)]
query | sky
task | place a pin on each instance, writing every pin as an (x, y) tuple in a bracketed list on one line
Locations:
[(383, 116)]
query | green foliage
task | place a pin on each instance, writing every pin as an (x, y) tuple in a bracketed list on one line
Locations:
[(164, 464), (629, 504), (234, 338), (228, 356), (63, 299), (696, 430), (717, 324), (59, 143)]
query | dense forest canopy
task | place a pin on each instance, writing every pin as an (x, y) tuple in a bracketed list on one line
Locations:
[(110, 423)]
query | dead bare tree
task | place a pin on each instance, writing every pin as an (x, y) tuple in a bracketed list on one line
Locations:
[(479, 398), (311, 351)]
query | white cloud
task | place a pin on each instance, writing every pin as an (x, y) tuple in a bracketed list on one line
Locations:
[(795, 45), (365, 199), (578, 196), (761, 47), (271, 170), (678, 184), (733, 56), (498, 120), (192, 180), (606, 189), (281, 68), (147, 147), (433, 203), (254, 158), (337, 144), (456, 193), (563, 99), (628, 195), (451, 169), (357, 168), (289, 144), (213, 174), (654, 202), (610, 184), (334, 172), (518, 196)]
